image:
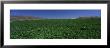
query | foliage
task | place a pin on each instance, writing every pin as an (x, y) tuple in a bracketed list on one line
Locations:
[(56, 29)]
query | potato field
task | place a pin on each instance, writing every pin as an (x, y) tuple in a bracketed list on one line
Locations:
[(56, 29)]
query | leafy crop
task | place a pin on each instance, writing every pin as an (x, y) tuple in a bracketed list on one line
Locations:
[(56, 29)]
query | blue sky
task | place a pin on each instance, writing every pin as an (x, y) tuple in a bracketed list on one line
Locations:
[(54, 14)]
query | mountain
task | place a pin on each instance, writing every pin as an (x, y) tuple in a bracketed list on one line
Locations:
[(12, 18), (88, 17)]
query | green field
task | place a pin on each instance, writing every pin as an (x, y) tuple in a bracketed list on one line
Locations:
[(56, 29)]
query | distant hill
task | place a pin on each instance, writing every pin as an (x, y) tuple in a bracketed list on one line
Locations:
[(88, 17), (12, 18), (20, 18)]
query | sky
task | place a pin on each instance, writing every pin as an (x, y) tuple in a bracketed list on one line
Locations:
[(55, 14)]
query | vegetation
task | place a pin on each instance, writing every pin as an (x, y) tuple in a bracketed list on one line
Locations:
[(56, 29)]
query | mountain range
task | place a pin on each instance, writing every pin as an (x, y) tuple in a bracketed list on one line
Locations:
[(12, 18), (24, 18)]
